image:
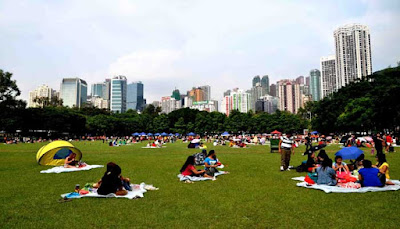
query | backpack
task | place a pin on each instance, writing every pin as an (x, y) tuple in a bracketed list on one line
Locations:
[(199, 158)]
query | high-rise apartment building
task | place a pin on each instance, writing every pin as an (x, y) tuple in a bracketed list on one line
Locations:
[(315, 84), (207, 92), (272, 90), (73, 92), (265, 84), (300, 80), (328, 75), (237, 100), (118, 94), (44, 92), (197, 94), (353, 53), (169, 104), (290, 98), (107, 90), (134, 96)]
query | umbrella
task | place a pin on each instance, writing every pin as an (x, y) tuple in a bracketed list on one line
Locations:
[(164, 134), (149, 134), (349, 153), (135, 134), (191, 134), (171, 134), (157, 134), (225, 134), (276, 132), (177, 134), (142, 134), (195, 141), (314, 132)]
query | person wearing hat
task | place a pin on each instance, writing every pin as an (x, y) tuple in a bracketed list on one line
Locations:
[(286, 149)]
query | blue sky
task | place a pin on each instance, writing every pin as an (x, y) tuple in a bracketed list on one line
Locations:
[(168, 44)]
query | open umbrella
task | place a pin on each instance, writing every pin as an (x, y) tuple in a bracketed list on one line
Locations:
[(157, 134), (149, 134), (225, 134), (143, 134), (170, 134), (349, 153), (276, 132), (177, 134), (164, 134), (135, 134), (314, 132), (191, 134)]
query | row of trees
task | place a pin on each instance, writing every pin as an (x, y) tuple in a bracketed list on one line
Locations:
[(369, 104)]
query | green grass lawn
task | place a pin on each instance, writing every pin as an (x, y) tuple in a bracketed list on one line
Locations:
[(254, 194)]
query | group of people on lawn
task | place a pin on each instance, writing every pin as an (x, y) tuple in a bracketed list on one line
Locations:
[(330, 173), (211, 163)]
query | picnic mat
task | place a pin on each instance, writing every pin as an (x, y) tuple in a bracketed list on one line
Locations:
[(193, 178), (61, 169), (138, 191), (152, 147), (337, 189)]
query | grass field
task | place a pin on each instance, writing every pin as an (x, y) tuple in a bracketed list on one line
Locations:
[(255, 193)]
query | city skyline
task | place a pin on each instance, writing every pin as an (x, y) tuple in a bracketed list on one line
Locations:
[(164, 51)]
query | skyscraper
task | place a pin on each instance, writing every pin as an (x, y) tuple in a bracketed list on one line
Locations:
[(255, 93), (265, 84), (353, 53), (97, 89), (272, 90), (256, 79), (328, 75), (207, 92), (118, 94), (73, 92), (236, 100), (290, 98), (300, 80), (315, 84), (134, 96), (197, 94), (107, 89)]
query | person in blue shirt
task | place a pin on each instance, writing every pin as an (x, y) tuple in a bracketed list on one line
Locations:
[(211, 163), (326, 175), (368, 176)]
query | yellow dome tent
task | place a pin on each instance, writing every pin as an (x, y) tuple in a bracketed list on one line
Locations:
[(55, 153)]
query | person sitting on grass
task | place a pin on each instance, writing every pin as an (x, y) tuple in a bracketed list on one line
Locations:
[(188, 169), (211, 163), (310, 164), (383, 167), (339, 165), (322, 156), (368, 176), (71, 162), (326, 175), (113, 182)]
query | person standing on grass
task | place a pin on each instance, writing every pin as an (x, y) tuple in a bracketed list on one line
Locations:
[(378, 141), (286, 149), (308, 141)]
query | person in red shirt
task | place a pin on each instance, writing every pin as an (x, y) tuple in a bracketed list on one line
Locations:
[(188, 169), (389, 142)]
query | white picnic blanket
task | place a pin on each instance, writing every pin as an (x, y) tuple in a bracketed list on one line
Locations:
[(193, 178), (152, 147), (337, 189), (61, 169), (137, 192)]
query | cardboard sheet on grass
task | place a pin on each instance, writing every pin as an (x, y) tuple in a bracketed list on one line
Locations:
[(137, 192), (193, 178), (61, 169), (337, 189)]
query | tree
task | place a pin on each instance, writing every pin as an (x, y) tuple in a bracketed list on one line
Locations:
[(9, 92)]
